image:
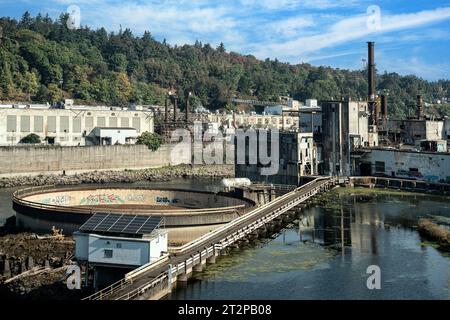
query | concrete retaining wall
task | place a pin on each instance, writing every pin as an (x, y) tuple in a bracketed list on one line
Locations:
[(130, 197), (41, 160)]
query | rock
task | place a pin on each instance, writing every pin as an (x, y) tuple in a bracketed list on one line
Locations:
[(6, 269), (30, 262), (154, 174)]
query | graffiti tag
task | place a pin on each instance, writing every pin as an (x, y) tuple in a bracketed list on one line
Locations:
[(136, 197), (57, 201), (166, 200), (94, 199)]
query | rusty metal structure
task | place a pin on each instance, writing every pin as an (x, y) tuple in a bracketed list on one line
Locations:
[(371, 82), (172, 119)]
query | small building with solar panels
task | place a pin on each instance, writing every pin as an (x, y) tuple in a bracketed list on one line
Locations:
[(109, 242)]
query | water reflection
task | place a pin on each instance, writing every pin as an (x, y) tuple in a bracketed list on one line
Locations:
[(326, 250)]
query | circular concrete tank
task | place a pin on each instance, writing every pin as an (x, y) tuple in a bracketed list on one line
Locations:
[(187, 214)]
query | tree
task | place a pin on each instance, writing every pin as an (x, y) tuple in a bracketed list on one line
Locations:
[(32, 138), (31, 84), (120, 68), (151, 140), (221, 48), (122, 89)]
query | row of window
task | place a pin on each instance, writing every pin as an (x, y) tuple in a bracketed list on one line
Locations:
[(64, 123)]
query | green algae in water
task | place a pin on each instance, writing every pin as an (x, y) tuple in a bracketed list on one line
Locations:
[(252, 264)]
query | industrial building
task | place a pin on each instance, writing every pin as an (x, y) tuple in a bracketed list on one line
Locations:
[(73, 125), (345, 127), (405, 164), (347, 137), (298, 157)]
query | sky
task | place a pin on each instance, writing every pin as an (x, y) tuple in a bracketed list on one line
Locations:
[(411, 36)]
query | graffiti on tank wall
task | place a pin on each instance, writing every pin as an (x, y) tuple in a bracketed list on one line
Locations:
[(94, 199), (63, 200), (136, 197), (166, 200)]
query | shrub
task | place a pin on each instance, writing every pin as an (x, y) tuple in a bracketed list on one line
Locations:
[(151, 140), (31, 139)]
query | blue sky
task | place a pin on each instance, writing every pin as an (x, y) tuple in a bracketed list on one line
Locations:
[(412, 37)]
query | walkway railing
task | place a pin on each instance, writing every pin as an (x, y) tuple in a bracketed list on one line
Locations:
[(224, 237)]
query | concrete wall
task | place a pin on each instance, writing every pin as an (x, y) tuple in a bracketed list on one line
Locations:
[(343, 123), (433, 167), (148, 197), (45, 159)]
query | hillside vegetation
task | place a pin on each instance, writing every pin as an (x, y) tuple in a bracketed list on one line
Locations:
[(41, 60)]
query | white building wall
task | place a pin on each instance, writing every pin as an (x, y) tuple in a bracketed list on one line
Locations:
[(67, 126), (135, 252), (433, 167), (158, 245)]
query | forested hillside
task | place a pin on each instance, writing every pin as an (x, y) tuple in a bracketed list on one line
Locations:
[(41, 60)]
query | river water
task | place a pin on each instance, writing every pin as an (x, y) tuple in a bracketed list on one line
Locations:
[(306, 261)]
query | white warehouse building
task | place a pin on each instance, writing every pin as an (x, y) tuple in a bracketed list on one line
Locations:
[(74, 126)]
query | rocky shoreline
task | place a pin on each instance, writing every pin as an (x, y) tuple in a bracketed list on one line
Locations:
[(33, 266), (153, 174)]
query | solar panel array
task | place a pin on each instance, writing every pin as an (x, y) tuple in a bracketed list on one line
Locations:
[(121, 223)]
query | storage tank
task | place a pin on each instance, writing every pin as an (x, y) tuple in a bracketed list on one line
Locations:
[(236, 182)]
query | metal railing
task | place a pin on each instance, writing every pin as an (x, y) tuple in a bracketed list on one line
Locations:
[(150, 289), (17, 198), (162, 281)]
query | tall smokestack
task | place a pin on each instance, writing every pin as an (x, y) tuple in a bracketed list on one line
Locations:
[(419, 107), (187, 106), (175, 106), (371, 81), (166, 110), (384, 106)]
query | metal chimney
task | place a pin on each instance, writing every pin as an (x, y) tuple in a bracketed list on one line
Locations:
[(371, 80), (419, 107), (166, 109), (175, 106), (187, 106), (384, 106)]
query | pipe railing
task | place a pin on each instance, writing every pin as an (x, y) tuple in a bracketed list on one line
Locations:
[(239, 220), (205, 253)]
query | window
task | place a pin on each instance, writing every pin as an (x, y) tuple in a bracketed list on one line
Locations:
[(113, 122), (137, 124), (11, 123), (379, 166), (24, 123), (51, 124), (101, 122), (89, 123), (108, 253), (124, 122), (118, 245), (64, 124), (76, 125), (38, 123)]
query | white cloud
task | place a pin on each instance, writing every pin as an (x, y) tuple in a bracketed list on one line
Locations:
[(309, 4), (349, 29), (414, 65), (292, 26)]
